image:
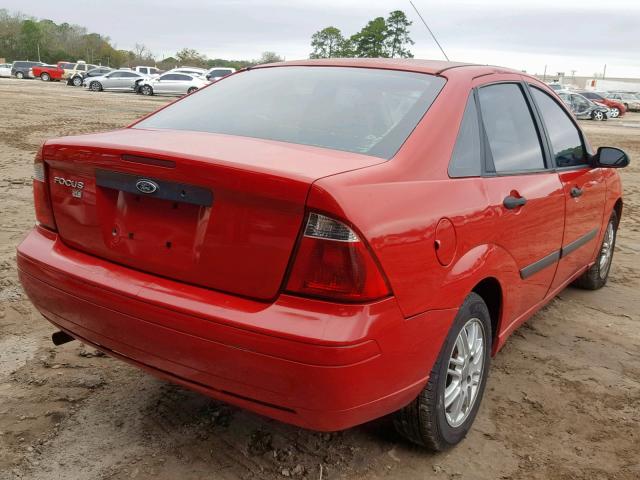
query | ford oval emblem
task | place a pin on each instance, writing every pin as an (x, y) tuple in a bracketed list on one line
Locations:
[(146, 186)]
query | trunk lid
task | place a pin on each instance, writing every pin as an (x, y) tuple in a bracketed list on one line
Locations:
[(208, 209)]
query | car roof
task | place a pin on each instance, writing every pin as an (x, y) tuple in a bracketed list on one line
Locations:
[(434, 67)]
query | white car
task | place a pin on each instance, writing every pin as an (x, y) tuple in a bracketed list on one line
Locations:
[(124, 80), (216, 73), (5, 70), (149, 71), (200, 72), (172, 83)]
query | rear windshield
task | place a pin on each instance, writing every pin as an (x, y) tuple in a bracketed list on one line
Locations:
[(361, 110)]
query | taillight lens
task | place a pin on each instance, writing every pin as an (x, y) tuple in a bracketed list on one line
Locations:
[(332, 262), (41, 197)]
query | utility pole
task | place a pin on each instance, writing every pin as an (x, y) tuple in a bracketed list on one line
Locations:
[(544, 75), (604, 72), (38, 45)]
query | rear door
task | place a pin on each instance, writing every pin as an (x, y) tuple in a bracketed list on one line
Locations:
[(584, 187), (128, 80), (524, 194), (181, 84)]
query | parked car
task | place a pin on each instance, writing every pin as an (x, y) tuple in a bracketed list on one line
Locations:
[(22, 69), (78, 77), (80, 67), (189, 71), (616, 109), (629, 100), (5, 70), (116, 80), (556, 86), (315, 268), (216, 73), (583, 108), (149, 71), (47, 73), (171, 84)]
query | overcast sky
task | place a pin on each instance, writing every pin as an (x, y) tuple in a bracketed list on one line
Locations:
[(565, 35)]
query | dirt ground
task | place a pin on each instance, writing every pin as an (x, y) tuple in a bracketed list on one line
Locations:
[(563, 398)]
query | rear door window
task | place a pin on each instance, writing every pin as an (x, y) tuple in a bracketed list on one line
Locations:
[(564, 136), (514, 142), (466, 160)]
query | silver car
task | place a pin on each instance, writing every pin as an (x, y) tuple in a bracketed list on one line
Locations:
[(123, 80), (172, 83)]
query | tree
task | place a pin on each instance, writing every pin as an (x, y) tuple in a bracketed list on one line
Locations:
[(397, 36), (191, 57), (379, 38), (268, 57), (327, 43), (370, 41), (30, 39)]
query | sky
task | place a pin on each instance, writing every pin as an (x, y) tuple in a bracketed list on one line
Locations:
[(564, 35)]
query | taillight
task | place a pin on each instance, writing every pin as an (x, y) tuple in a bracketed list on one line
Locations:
[(41, 197), (332, 262)]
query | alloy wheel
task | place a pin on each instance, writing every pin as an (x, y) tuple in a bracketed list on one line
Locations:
[(606, 252), (464, 373)]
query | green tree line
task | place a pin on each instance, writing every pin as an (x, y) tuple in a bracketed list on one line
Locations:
[(26, 38), (380, 37)]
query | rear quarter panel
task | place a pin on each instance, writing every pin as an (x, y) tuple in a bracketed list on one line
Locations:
[(397, 205)]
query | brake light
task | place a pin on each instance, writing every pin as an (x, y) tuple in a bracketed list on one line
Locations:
[(41, 197), (332, 262)]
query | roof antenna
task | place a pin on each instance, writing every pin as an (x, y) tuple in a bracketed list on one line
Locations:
[(434, 37)]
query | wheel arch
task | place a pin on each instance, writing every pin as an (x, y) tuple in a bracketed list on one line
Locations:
[(491, 272), (617, 207), (491, 292)]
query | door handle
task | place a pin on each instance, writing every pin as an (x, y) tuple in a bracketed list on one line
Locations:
[(512, 202), (576, 192)]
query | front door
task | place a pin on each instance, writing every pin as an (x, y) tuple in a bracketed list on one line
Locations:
[(584, 188)]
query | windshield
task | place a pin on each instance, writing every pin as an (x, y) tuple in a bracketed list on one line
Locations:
[(361, 110)]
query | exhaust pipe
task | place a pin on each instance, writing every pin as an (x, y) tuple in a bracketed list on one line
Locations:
[(58, 338)]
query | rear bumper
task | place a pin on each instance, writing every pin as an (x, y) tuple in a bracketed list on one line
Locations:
[(315, 364)]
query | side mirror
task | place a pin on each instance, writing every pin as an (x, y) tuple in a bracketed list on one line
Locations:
[(610, 157)]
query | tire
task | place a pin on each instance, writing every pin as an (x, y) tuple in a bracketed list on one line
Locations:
[(597, 116), (76, 81), (19, 75), (596, 277), (615, 113), (426, 421), (191, 90), (146, 90), (95, 86), (45, 77)]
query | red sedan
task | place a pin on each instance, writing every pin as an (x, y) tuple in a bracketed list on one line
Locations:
[(616, 108), (325, 242), (48, 73)]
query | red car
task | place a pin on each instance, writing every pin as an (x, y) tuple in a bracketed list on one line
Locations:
[(325, 242), (48, 73), (616, 108)]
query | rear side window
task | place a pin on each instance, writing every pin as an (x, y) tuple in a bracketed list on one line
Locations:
[(466, 160), (513, 138), (363, 110), (563, 134), (219, 73)]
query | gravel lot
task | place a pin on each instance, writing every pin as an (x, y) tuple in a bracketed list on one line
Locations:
[(563, 398)]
